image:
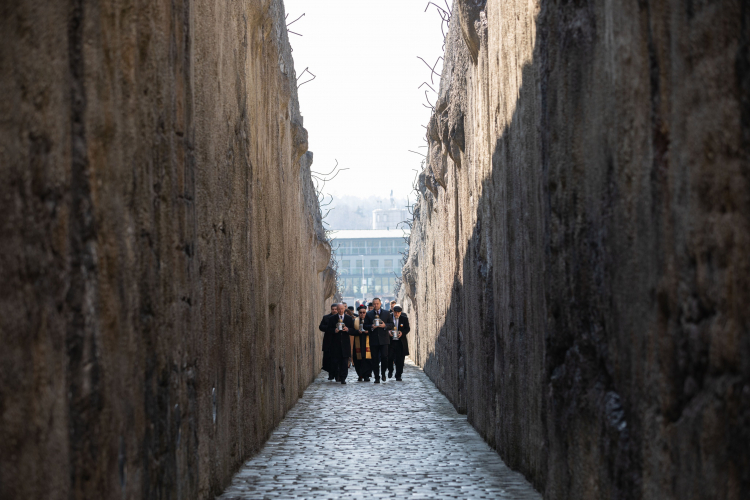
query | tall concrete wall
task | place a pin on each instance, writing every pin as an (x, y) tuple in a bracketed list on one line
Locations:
[(162, 259), (579, 272)]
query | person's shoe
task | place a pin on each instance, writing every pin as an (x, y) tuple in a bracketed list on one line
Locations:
[(377, 380), (367, 379), (359, 379), (343, 381), (398, 379), (390, 373), (330, 378)]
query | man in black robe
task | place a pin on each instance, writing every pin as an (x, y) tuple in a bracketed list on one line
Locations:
[(399, 348), (362, 354), (341, 325), (329, 362), (379, 337)]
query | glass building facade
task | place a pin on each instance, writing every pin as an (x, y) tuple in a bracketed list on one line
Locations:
[(369, 262)]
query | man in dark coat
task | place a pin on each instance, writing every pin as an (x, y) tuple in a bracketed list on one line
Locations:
[(379, 337), (329, 362), (399, 348), (361, 351), (341, 325)]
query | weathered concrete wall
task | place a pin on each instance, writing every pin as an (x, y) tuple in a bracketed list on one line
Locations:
[(162, 259), (579, 274)]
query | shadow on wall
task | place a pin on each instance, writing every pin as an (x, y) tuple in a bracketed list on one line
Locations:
[(577, 274)]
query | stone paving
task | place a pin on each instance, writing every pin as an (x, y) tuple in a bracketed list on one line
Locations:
[(365, 440)]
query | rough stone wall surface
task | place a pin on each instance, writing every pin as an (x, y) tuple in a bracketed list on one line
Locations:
[(162, 259), (578, 271)]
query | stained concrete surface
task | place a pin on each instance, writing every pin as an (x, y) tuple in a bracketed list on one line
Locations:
[(578, 274), (157, 219)]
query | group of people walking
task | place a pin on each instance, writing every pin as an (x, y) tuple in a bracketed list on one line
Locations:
[(374, 341)]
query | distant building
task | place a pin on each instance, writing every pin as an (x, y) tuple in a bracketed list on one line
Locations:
[(369, 262), (389, 218)]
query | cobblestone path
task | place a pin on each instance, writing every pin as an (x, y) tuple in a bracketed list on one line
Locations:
[(362, 440)]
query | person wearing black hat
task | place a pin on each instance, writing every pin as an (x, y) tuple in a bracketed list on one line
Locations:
[(379, 337), (399, 347), (330, 363), (360, 339), (350, 311)]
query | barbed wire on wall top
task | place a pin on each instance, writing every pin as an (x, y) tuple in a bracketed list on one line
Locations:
[(306, 70), (319, 180), (289, 24), (445, 17)]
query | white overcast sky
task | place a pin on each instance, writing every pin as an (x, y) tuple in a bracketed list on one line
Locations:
[(364, 107)]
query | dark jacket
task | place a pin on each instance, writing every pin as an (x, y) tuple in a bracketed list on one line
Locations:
[(379, 335), (335, 336), (404, 328), (327, 337)]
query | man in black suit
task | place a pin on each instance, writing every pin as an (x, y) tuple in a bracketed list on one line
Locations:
[(340, 325), (330, 363), (399, 348), (379, 337)]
